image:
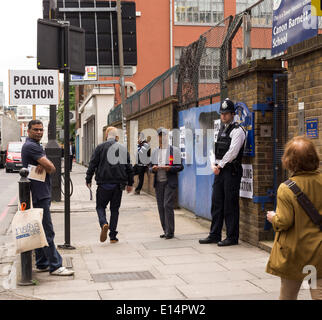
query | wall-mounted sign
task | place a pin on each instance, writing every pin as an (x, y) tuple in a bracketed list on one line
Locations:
[(90, 74), (27, 87), (312, 128), (246, 119), (246, 184), (292, 23)]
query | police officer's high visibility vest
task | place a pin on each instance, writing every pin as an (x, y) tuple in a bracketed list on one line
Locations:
[(223, 142)]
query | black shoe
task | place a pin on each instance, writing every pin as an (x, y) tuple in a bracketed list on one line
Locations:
[(208, 240), (162, 235), (137, 192), (169, 237), (227, 242)]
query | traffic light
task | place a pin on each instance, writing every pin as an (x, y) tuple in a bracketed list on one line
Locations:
[(51, 43), (103, 44)]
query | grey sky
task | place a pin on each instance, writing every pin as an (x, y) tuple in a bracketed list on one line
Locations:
[(18, 30)]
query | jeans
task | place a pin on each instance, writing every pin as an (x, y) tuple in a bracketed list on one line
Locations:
[(47, 256), (103, 198)]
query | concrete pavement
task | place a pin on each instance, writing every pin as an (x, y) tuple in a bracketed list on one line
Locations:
[(142, 266)]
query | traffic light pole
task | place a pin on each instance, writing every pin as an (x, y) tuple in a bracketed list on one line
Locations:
[(67, 244), (53, 150), (121, 63)]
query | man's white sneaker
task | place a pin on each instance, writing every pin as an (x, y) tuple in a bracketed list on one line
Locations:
[(62, 271)]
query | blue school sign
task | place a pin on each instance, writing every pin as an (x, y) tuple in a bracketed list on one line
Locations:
[(292, 23)]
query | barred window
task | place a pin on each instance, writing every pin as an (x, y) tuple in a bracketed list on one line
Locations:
[(199, 11), (209, 64), (256, 54), (262, 14)]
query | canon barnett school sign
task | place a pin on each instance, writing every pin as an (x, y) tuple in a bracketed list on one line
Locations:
[(292, 23), (40, 87)]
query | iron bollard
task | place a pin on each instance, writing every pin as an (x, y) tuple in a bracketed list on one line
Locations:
[(26, 258)]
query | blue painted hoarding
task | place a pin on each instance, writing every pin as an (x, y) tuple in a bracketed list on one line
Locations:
[(292, 23), (196, 180)]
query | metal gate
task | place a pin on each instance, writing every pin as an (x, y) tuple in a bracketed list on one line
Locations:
[(280, 128)]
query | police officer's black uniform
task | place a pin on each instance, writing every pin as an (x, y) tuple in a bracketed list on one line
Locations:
[(225, 195)]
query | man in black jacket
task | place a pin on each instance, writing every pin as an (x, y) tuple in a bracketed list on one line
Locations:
[(113, 173), (165, 164)]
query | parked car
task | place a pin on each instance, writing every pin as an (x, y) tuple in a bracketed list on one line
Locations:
[(13, 156)]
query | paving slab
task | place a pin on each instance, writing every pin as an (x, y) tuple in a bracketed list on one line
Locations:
[(70, 287), (194, 268), (168, 244), (219, 289), (142, 293), (173, 280), (218, 276), (79, 295), (168, 252), (191, 258), (243, 264)]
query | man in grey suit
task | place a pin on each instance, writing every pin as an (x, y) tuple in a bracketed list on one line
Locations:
[(165, 164)]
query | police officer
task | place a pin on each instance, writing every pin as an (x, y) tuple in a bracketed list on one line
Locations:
[(226, 164)]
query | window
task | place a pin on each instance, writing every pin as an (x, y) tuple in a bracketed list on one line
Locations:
[(199, 11), (209, 64), (256, 54), (262, 14)]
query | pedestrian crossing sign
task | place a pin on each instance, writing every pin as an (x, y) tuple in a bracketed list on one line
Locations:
[(316, 8)]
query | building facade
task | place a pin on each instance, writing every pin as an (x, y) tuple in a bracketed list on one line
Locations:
[(163, 30)]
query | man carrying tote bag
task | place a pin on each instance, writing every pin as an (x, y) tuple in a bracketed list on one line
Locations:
[(40, 168)]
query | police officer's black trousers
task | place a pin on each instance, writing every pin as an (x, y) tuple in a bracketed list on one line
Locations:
[(225, 204)]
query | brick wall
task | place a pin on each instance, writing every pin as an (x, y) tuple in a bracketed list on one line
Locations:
[(252, 83), (305, 85)]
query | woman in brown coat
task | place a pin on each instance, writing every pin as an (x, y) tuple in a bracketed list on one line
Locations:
[(298, 241)]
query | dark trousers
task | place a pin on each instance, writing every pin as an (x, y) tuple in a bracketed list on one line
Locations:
[(103, 198), (140, 170), (225, 204), (165, 200), (71, 158), (47, 256)]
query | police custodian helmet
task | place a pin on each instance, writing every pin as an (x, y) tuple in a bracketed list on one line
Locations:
[(227, 106)]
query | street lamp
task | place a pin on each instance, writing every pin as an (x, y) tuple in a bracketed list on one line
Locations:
[(33, 106)]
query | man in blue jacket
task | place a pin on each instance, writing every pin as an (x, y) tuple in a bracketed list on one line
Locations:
[(113, 173), (165, 164)]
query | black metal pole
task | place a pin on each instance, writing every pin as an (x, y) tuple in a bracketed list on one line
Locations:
[(26, 258), (67, 244), (53, 152)]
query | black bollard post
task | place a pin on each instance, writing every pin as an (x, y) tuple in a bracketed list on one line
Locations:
[(26, 258)]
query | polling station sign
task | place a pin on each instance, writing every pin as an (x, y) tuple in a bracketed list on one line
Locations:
[(292, 23), (40, 87)]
